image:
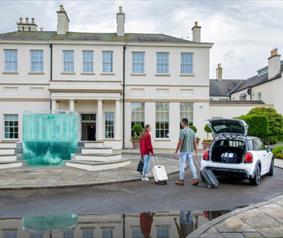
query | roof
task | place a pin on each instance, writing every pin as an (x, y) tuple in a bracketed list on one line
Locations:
[(235, 102), (222, 88), (82, 36), (255, 80)]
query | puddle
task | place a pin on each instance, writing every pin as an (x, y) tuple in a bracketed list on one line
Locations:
[(155, 224)]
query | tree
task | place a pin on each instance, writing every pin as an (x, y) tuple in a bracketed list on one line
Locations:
[(207, 129)]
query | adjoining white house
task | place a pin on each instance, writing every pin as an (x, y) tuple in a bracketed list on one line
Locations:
[(113, 80), (234, 97)]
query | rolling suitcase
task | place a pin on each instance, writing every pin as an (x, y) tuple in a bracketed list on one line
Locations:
[(159, 173), (207, 176)]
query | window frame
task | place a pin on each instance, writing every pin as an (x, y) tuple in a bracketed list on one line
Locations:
[(165, 64), (137, 114), (88, 64), (14, 131), (138, 63), (109, 128), (40, 62), (15, 61), (165, 122), (191, 120), (105, 61), (190, 65), (72, 63)]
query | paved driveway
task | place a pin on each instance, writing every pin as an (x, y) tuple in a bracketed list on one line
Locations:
[(136, 197)]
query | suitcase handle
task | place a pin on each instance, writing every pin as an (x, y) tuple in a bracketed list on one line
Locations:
[(153, 160)]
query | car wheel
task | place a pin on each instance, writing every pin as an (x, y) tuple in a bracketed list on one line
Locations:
[(257, 175), (270, 173)]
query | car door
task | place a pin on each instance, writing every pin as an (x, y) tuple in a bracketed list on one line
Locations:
[(263, 155)]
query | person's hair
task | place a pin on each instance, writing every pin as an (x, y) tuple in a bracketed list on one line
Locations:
[(185, 121), (145, 127)]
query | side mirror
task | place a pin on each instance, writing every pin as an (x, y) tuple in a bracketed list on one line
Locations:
[(268, 149)]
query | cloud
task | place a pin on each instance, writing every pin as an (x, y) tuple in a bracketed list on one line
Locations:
[(244, 32)]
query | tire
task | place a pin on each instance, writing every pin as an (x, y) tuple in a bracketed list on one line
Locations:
[(270, 172), (257, 176)]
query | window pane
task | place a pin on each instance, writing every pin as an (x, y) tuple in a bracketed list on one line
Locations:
[(11, 126), (10, 234), (136, 233), (162, 232), (107, 61), (87, 232), (162, 62), (186, 111), (107, 233), (138, 62), (87, 61), (137, 115), (186, 63), (68, 60), (109, 124), (11, 61), (36, 60), (162, 120)]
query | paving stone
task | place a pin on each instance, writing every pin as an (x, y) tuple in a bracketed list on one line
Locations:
[(273, 210), (271, 232), (233, 224), (232, 235), (252, 235), (257, 219)]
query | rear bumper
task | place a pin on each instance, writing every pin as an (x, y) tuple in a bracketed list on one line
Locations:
[(230, 173)]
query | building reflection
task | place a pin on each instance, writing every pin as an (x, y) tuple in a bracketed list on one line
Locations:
[(165, 224)]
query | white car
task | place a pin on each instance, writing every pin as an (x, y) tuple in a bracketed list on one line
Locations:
[(233, 154)]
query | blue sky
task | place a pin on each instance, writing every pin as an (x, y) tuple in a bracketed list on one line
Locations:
[(243, 31)]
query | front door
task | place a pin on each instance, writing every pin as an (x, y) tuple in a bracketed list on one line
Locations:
[(88, 127)]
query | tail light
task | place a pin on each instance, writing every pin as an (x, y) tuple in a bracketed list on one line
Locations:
[(205, 155), (248, 158)]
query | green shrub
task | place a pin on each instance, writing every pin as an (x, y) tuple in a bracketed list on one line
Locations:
[(278, 151), (208, 130), (194, 128), (258, 125), (275, 123), (138, 130)]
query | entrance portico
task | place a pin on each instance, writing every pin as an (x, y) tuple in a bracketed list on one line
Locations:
[(93, 109)]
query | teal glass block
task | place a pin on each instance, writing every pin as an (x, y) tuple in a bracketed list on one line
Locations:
[(48, 139)]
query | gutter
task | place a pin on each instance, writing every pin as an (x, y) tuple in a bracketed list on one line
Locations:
[(51, 71), (123, 96)]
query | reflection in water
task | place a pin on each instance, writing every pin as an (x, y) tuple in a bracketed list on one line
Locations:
[(166, 224)]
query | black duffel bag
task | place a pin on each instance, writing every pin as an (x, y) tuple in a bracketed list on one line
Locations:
[(140, 165)]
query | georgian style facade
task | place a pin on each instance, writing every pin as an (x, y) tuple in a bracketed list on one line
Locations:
[(113, 80)]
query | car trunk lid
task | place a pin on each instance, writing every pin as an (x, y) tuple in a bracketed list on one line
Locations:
[(228, 127)]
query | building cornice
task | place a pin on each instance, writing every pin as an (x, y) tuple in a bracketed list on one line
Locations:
[(166, 100), (167, 85)]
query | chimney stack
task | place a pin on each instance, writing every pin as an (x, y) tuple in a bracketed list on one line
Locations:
[(219, 72), (26, 26), (196, 32), (62, 21), (274, 64), (120, 19)]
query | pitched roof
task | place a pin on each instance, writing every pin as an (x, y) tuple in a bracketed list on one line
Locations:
[(84, 36), (255, 80), (222, 88)]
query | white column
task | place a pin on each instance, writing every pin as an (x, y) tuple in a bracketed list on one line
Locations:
[(99, 121), (53, 105), (117, 124), (71, 105)]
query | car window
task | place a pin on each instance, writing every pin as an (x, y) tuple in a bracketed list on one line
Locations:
[(250, 144), (258, 145)]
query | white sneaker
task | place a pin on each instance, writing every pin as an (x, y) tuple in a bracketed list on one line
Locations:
[(145, 179)]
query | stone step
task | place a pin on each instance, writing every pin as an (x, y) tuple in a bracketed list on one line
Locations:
[(7, 151), (97, 150), (97, 166), (8, 165), (7, 145), (99, 157), (94, 144), (8, 158)]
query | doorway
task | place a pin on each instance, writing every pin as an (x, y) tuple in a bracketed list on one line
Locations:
[(88, 127)]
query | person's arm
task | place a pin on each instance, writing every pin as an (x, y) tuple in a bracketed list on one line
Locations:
[(195, 146), (178, 146), (150, 145)]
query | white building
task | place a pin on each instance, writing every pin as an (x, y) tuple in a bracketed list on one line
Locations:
[(113, 80)]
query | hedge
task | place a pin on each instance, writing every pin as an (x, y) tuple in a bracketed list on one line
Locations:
[(278, 151), (258, 125)]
